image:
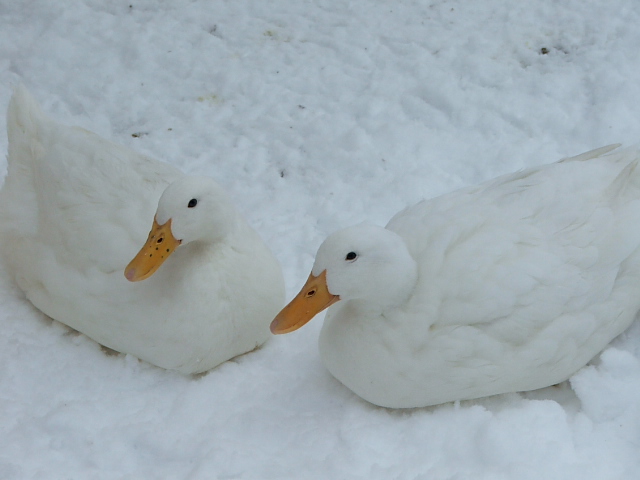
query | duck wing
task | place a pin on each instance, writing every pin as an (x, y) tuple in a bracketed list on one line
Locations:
[(529, 247)]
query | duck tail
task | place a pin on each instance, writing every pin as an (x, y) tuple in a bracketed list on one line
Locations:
[(627, 184), (18, 204), (595, 153), (23, 118)]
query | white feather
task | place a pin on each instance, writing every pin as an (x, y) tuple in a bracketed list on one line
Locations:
[(520, 282), (75, 209)]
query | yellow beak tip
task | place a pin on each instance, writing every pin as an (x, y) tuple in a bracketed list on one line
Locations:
[(130, 274)]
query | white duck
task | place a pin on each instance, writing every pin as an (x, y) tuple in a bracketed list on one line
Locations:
[(75, 208), (508, 286)]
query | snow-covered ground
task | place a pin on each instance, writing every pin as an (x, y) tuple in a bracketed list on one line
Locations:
[(316, 115)]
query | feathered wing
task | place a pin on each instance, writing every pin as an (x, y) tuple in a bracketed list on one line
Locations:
[(534, 245)]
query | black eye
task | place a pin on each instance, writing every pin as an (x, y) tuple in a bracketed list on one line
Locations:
[(192, 203), (351, 256)]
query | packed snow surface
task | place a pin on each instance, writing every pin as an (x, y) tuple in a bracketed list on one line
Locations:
[(315, 116)]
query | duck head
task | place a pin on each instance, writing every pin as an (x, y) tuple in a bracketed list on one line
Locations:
[(191, 209), (364, 262)]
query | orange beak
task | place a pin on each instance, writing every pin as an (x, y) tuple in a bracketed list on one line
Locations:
[(312, 299), (160, 244)]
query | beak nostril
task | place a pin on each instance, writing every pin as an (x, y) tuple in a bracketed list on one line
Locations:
[(311, 293)]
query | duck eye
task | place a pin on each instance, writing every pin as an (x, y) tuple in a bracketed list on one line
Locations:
[(351, 256), (192, 203)]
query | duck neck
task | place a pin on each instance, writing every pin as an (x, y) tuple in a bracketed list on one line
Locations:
[(191, 257), (222, 234), (398, 293), (390, 293)]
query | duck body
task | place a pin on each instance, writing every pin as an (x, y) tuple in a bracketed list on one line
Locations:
[(508, 286), (75, 208)]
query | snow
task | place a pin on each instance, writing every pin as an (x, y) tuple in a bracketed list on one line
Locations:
[(315, 116)]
